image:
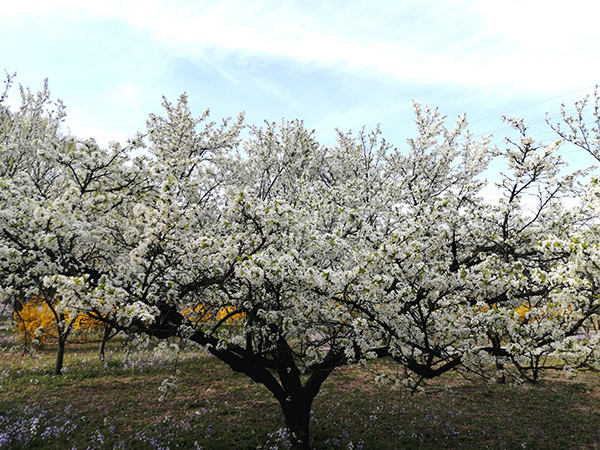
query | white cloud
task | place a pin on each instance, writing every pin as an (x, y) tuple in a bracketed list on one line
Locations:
[(526, 44), (522, 44)]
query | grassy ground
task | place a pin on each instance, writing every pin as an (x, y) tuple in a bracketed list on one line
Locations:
[(115, 404)]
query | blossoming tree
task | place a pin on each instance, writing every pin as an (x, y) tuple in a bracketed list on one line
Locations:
[(288, 259), (58, 199)]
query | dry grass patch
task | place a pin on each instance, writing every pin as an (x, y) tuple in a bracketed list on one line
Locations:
[(116, 405)]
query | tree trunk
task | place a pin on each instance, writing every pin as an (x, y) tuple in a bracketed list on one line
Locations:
[(60, 355), (297, 401), (297, 421), (501, 374), (63, 334), (105, 337), (295, 398), (497, 345)]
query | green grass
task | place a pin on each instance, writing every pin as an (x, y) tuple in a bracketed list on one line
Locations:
[(114, 404)]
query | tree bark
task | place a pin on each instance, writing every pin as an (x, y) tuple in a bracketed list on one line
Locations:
[(60, 355), (63, 334), (497, 345), (297, 421), (105, 337)]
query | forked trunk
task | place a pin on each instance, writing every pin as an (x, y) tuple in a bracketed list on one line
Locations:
[(295, 397), (297, 400)]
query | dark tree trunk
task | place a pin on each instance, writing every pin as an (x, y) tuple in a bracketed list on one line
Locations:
[(297, 421), (63, 334), (497, 346), (294, 396), (60, 355), (297, 402), (105, 337)]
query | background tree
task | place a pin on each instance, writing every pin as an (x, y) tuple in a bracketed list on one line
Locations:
[(37, 322), (582, 128), (58, 197)]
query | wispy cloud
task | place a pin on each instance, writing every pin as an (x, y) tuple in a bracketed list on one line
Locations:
[(524, 44)]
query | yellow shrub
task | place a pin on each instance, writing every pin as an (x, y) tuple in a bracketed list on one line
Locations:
[(203, 314), (85, 322), (522, 311), (35, 323), (85, 325), (227, 310)]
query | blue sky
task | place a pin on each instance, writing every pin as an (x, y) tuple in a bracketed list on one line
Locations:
[(340, 64)]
